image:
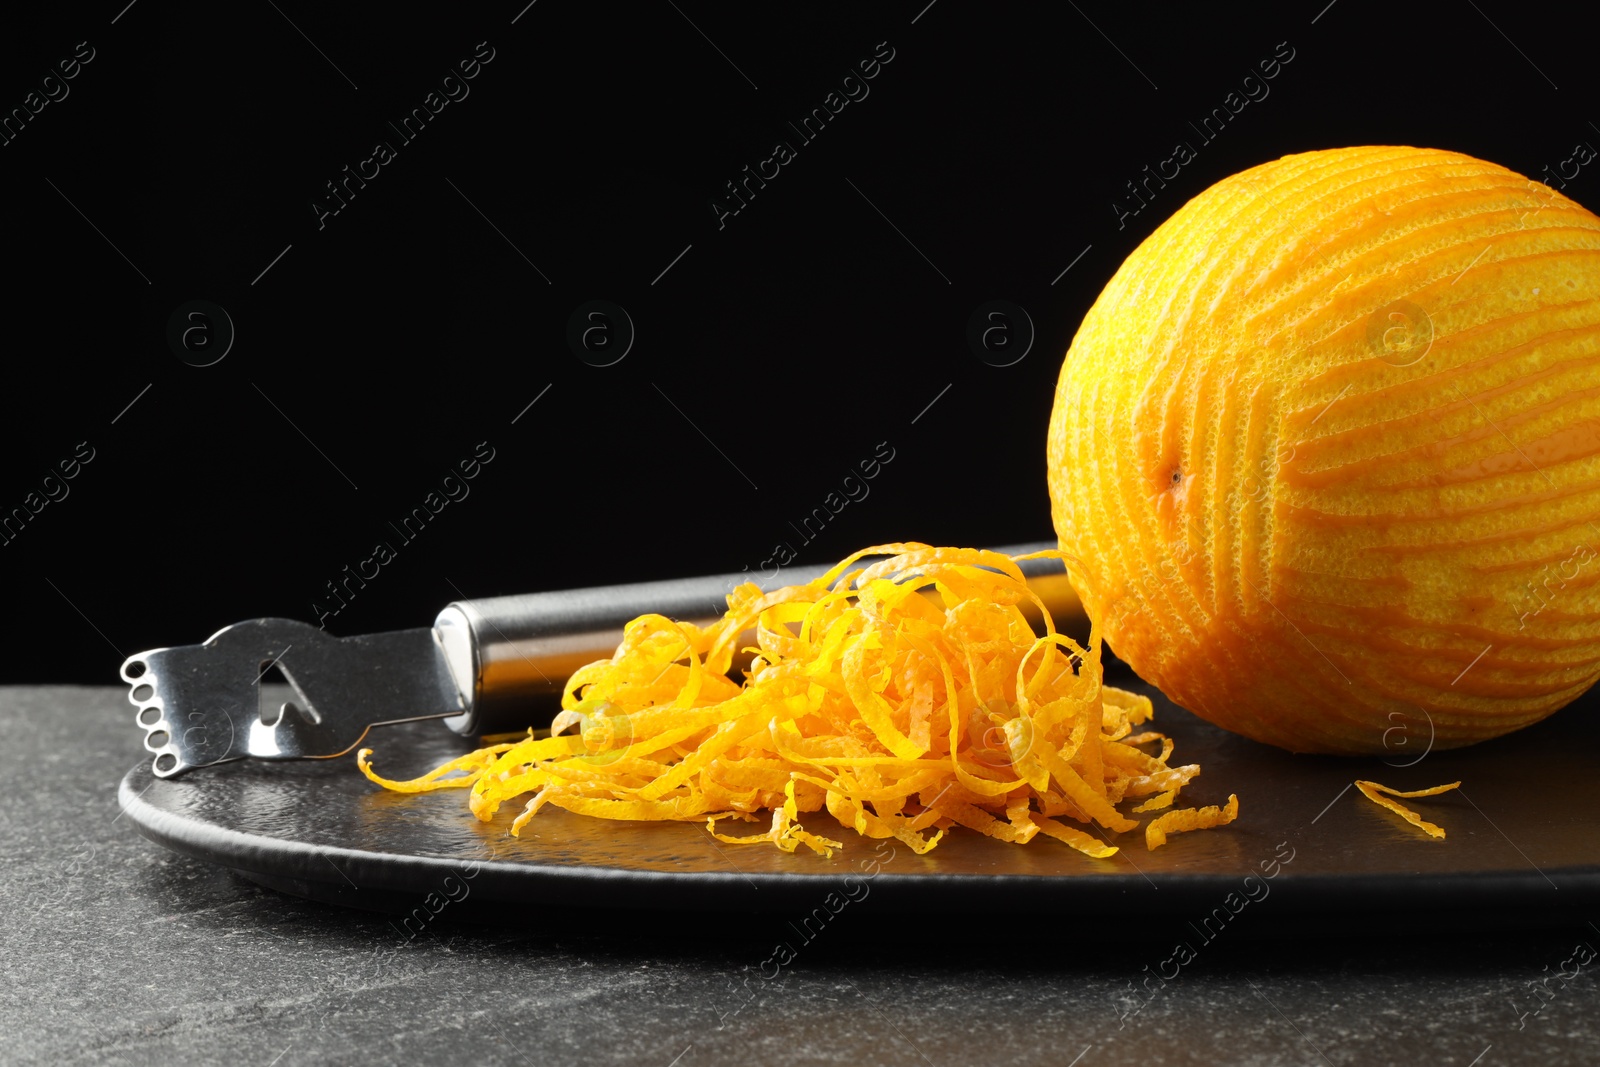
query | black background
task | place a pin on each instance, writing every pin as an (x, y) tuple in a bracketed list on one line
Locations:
[(823, 319)]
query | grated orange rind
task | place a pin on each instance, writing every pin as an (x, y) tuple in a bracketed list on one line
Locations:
[(904, 696), (1375, 792)]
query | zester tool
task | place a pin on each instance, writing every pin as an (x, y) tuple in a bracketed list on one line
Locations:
[(483, 667)]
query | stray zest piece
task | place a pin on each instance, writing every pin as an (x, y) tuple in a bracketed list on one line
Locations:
[(1374, 791)]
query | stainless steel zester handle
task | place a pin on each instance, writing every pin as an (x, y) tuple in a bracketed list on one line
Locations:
[(512, 653)]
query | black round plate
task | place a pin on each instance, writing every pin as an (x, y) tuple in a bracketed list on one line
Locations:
[(1523, 839)]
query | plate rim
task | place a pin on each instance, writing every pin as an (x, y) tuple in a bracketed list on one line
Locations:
[(512, 882)]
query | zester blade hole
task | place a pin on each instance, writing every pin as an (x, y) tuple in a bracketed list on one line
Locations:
[(149, 716), (143, 692), (165, 762), (273, 691), (136, 669)]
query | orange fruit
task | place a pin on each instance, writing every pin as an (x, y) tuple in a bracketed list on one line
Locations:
[(1327, 452)]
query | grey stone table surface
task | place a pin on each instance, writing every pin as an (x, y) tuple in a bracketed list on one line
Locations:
[(117, 951)]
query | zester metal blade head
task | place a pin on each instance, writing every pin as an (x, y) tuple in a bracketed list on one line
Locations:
[(200, 704)]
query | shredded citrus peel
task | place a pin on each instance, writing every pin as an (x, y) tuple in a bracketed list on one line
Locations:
[(906, 696), (1375, 791), (1186, 819), (435, 779)]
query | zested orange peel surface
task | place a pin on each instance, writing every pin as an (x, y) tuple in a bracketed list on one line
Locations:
[(1325, 453), (905, 696)]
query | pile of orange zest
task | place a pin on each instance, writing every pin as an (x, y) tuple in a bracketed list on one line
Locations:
[(1374, 791), (906, 696)]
